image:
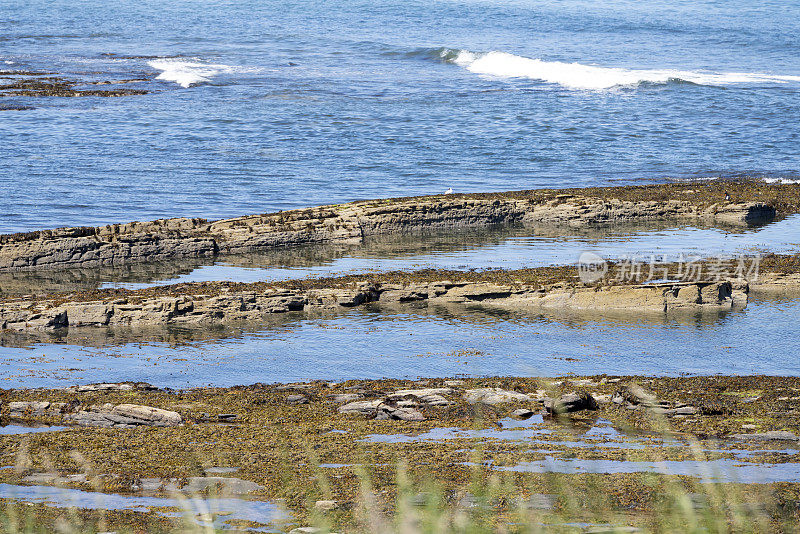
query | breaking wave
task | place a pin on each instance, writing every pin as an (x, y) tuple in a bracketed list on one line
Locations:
[(187, 73), (579, 76)]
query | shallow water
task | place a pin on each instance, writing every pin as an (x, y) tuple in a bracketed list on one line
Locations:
[(193, 508), (408, 342), (266, 105), (722, 470), (7, 430), (509, 248)]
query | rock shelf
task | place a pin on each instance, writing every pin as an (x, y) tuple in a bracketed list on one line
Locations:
[(254, 303), (118, 244)]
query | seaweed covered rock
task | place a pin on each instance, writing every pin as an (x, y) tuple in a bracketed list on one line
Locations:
[(571, 402)]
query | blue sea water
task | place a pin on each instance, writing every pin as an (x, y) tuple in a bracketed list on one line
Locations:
[(265, 105), (377, 342)]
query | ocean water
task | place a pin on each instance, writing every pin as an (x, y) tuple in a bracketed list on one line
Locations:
[(263, 105), (375, 342)]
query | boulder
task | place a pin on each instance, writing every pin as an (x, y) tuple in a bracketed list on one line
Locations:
[(571, 402), (429, 396), (325, 506), (399, 413), (363, 407), (112, 386), (344, 397), (297, 399), (522, 413), (124, 416), (493, 396)]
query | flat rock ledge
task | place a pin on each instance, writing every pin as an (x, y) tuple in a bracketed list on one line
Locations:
[(163, 239), (105, 415), (254, 305)]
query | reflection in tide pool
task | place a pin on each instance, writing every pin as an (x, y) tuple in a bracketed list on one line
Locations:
[(722, 470), (8, 430), (202, 511), (506, 248), (375, 342)]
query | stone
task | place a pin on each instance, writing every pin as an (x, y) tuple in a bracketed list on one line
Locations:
[(28, 408), (683, 410), (41, 478), (148, 414), (297, 399), (363, 407), (602, 399), (424, 392), (429, 396), (112, 386), (344, 397), (325, 506), (522, 413), (120, 244), (492, 396), (389, 412), (571, 402), (124, 416)]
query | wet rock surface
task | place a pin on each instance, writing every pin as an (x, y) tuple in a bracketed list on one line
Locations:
[(44, 84), (124, 416), (571, 402), (212, 303), (493, 396), (173, 238), (106, 415)]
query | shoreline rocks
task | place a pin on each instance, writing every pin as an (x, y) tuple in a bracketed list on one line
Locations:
[(119, 244), (199, 305), (105, 415)]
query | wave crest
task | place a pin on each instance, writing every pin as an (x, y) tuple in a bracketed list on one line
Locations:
[(187, 73), (592, 77)]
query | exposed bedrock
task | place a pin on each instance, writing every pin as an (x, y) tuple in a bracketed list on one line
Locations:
[(141, 310), (120, 244), (105, 415)]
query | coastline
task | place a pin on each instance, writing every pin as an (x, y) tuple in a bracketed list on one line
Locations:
[(120, 244), (542, 288), (139, 438)]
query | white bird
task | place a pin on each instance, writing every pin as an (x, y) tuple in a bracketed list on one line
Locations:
[(449, 191)]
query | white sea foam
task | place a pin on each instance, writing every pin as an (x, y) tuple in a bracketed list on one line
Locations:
[(579, 76), (190, 72), (782, 180)]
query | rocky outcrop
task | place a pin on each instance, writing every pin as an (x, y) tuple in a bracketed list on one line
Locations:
[(253, 305), (570, 402), (124, 416), (634, 397), (121, 244), (492, 396), (106, 415), (383, 410)]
